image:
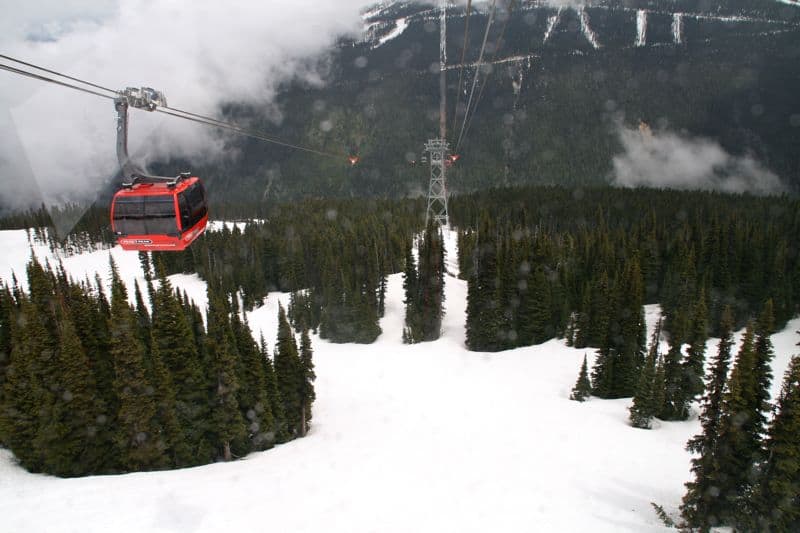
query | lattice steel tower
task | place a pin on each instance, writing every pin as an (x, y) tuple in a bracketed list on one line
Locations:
[(438, 148)]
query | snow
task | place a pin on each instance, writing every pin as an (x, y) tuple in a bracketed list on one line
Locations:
[(426, 438), (552, 21), (677, 28), (586, 29), (641, 27), (217, 225), (400, 26), (374, 11)]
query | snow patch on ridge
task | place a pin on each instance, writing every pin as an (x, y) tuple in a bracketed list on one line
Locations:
[(399, 28), (677, 28), (552, 21), (586, 29), (641, 27)]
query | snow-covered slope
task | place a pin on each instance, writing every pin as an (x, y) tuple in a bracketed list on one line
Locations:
[(429, 438)]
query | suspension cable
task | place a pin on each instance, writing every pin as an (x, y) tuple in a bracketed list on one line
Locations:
[(174, 112), (59, 74), (39, 77), (461, 68), (247, 133), (477, 71), (486, 78)]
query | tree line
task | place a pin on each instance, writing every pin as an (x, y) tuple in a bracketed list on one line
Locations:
[(333, 256), (580, 264), (92, 384)]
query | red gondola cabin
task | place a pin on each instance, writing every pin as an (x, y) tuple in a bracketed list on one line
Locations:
[(159, 216)]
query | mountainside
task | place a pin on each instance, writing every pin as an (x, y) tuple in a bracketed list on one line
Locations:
[(561, 86), (424, 437)]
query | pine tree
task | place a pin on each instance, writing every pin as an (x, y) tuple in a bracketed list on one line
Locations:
[(288, 375), (570, 333), (142, 318), (430, 283), (171, 438), (484, 314), (534, 313), (762, 367), (777, 498), (137, 421), (43, 348), (253, 398), (307, 394), (19, 417), (583, 387), (701, 506), (69, 441), (278, 431), (412, 331), (583, 322), (659, 385), (7, 314), (738, 441), (174, 342), (632, 330), (675, 401), (644, 407), (692, 371), (227, 425)]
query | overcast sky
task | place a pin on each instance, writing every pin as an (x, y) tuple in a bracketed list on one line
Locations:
[(199, 53)]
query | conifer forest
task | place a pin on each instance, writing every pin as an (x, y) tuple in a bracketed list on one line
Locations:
[(169, 385)]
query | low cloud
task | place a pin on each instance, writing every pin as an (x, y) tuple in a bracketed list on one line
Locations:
[(201, 54), (668, 160)]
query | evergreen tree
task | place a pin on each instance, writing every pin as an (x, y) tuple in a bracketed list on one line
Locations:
[(278, 431), (632, 330), (534, 313), (227, 425), (692, 385), (762, 367), (583, 321), (138, 445), (288, 375), (644, 407), (142, 318), (174, 342), (739, 441), (484, 315), (676, 404), (701, 506), (659, 385), (583, 387), (253, 399), (412, 331), (430, 282), (425, 288), (172, 437), (45, 370), (6, 315), (19, 418), (307, 394), (777, 498), (69, 439)]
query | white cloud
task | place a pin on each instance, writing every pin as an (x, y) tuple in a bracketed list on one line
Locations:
[(668, 160), (199, 53)]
